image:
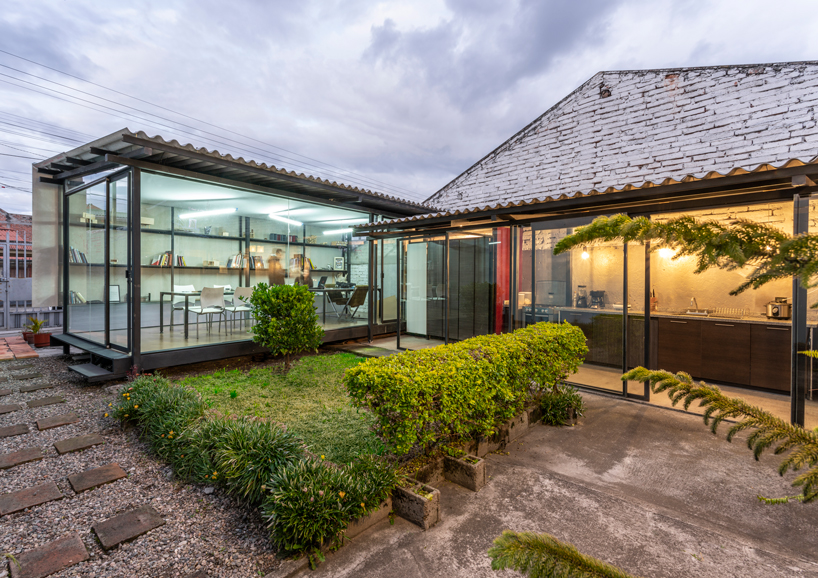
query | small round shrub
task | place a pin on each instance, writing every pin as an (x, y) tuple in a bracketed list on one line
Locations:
[(556, 404)]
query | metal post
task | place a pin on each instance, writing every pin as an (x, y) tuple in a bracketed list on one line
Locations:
[(625, 316), (446, 285), (135, 230), (106, 268), (800, 368), (513, 272), (398, 246), (646, 330)]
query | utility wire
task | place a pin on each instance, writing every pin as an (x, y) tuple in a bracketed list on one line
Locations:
[(49, 125), (22, 157), (252, 150), (17, 149), (351, 173)]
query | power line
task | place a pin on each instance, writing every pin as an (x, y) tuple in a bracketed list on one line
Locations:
[(17, 149), (46, 124), (351, 173), (143, 119), (22, 157)]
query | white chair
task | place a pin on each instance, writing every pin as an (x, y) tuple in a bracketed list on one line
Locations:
[(241, 303), (211, 302), (177, 302), (227, 289)]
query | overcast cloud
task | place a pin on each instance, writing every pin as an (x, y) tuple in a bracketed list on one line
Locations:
[(406, 95)]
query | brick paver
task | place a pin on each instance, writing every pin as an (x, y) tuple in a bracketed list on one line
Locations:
[(13, 430), (78, 443), (127, 526), (50, 558), (57, 420), (28, 498), (45, 401), (96, 477), (20, 457)]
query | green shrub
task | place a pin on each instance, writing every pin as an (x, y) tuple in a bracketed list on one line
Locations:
[(465, 389), (310, 503), (556, 404), (286, 321)]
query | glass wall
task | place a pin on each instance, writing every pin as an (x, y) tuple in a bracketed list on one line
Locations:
[(86, 263), (196, 235)]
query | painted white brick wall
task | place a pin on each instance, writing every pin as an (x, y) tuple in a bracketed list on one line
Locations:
[(657, 124)]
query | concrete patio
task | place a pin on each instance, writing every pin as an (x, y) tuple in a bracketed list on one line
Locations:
[(644, 488)]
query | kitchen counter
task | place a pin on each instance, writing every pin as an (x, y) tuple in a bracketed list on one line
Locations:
[(746, 319)]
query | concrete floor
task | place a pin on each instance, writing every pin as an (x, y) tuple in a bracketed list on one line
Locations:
[(646, 489)]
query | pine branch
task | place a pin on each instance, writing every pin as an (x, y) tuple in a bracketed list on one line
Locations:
[(768, 430), (776, 255), (543, 556)]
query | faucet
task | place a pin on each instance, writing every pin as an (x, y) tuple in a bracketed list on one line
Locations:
[(694, 304)]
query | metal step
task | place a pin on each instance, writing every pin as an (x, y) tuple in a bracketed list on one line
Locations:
[(94, 372)]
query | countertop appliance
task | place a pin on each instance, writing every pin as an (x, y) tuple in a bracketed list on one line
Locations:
[(582, 297), (779, 309), (597, 299)]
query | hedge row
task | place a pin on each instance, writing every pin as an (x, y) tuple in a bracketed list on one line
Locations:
[(463, 390), (257, 462)]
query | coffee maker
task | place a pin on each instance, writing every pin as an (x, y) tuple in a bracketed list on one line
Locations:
[(597, 300), (582, 297)]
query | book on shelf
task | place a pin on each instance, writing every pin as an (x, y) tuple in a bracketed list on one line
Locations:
[(76, 298), (258, 262), (235, 262), (283, 238), (180, 261), (162, 260), (76, 256)]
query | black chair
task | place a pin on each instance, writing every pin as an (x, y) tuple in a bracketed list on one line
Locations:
[(348, 302)]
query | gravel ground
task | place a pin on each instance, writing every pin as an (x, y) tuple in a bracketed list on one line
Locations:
[(208, 532)]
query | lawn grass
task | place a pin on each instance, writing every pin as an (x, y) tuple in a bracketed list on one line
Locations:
[(309, 399)]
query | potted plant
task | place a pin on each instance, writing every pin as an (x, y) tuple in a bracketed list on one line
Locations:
[(41, 338)]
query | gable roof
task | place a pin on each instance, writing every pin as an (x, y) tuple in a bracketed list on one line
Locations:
[(626, 129)]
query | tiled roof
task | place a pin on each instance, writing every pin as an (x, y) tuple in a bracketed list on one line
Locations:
[(631, 129)]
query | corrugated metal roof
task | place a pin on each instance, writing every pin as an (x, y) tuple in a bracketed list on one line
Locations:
[(712, 175), (124, 141)]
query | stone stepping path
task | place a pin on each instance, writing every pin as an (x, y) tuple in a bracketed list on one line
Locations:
[(20, 457), (28, 388), (32, 375), (78, 443), (16, 348), (93, 478), (57, 421), (13, 430), (5, 392), (127, 526), (28, 498), (45, 401), (21, 366), (50, 558), (10, 408)]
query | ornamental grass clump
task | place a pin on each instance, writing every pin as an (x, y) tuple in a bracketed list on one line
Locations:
[(463, 390), (163, 411), (310, 503)]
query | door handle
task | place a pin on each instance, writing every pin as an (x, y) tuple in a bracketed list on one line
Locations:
[(778, 328), (724, 325), (672, 321)]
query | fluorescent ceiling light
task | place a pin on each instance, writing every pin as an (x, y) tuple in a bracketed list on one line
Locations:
[(337, 231), (285, 219), (293, 211), (345, 221), (208, 213), (494, 243)]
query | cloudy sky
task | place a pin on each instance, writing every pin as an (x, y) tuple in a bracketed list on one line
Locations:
[(398, 97)]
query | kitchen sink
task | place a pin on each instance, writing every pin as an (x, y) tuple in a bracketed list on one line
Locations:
[(699, 312)]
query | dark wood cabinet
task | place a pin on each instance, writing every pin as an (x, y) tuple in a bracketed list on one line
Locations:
[(770, 356), (725, 351), (680, 346)]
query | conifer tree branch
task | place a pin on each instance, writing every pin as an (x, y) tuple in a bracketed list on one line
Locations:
[(768, 430), (543, 556)]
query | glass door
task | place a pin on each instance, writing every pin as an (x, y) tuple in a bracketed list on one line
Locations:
[(85, 248), (119, 265), (422, 292), (98, 223)]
